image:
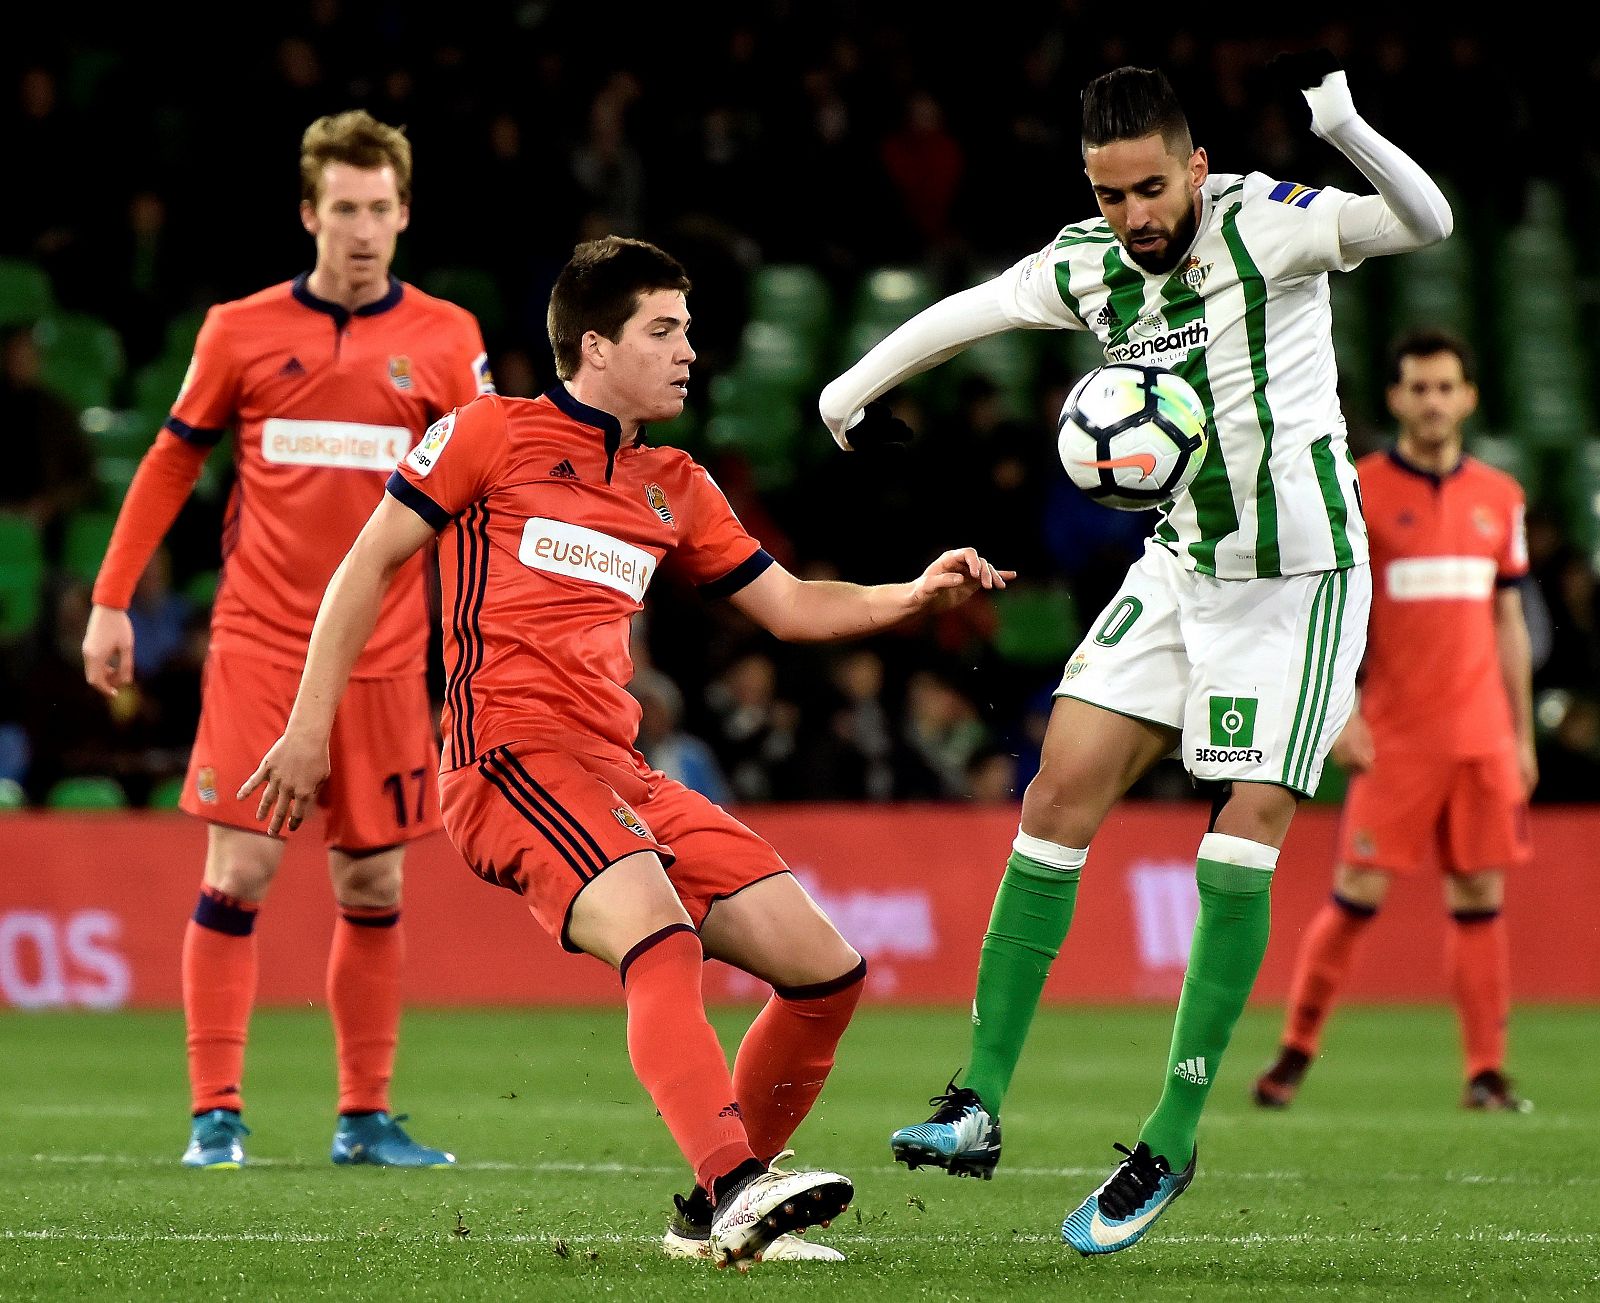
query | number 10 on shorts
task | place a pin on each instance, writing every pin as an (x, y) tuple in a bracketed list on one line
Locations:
[(1233, 721)]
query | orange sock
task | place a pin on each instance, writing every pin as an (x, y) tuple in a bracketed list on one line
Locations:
[(676, 1054), (1319, 972), (787, 1054), (219, 989), (364, 998), (1478, 957)]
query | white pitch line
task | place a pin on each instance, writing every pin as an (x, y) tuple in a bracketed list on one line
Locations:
[(857, 1238), (1026, 1173)]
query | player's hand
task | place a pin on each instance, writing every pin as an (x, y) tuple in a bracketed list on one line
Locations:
[(108, 650), (953, 578), (289, 776), (876, 427), (1355, 750), (1528, 766), (1316, 74)]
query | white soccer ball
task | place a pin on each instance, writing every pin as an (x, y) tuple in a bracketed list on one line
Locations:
[(1132, 436)]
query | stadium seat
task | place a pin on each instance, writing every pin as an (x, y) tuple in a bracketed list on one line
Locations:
[(1507, 453), (88, 535), (155, 389), (116, 433), (891, 295), (182, 331), (1038, 624), (166, 794), (80, 358), (1010, 361), (112, 476), (793, 294), (22, 573), (766, 440), (1434, 287), (772, 352), (12, 797), (25, 293), (87, 792), (1359, 381), (1575, 481), (473, 289)]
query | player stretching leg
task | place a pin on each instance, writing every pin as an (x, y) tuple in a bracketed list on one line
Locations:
[(1238, 633), (324, 380), (553, 517), (1442, 743)]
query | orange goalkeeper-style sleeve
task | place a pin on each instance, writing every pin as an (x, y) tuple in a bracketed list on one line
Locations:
[(162, 484)]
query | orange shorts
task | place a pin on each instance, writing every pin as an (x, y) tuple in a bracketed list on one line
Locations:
[(545, 823), (1471, 811), (382, 788)]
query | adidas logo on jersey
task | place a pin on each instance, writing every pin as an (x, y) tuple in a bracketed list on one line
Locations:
[(293, 367), (1193, 1070), (562, 470)]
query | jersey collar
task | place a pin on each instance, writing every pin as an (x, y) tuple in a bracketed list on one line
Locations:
[(583, 414), (341, 315), (1433, 477)]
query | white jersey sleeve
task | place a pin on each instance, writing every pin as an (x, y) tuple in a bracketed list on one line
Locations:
[(1294, 228), (1032, 291)]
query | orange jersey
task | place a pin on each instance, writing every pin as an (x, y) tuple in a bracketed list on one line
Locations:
[(323, 404), (551, 536), (1442, 545)]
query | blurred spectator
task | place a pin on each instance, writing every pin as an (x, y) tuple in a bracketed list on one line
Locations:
[(755, 728), (161, 618), (992, 776), (50, 467), (943, 729), (1569, 752), (852, 751), (665, 745)]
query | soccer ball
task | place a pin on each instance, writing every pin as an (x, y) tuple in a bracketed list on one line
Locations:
[(1132, 436)]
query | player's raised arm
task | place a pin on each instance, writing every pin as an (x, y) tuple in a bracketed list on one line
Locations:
[(823, 610), (932, 336), (1409, 211), (297, 764)]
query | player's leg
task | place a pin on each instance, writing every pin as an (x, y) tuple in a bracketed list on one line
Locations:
[(1273, 684), (1117, 712), (756, 916), (382, 792), (219, 988), (630, 916), (1321, 966), (1487, 834), (244, 703)]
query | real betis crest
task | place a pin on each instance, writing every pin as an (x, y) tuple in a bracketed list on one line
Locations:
[(1194, 272)]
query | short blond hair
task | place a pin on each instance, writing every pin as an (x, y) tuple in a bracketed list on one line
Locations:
[(358, 139)]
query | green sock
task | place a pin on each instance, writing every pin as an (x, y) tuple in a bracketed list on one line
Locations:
[(1230, 938), (1032, 912)]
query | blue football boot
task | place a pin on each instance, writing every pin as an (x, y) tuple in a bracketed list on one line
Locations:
[(214, 1140), (960, 1137), (379, 1139), (1117, 1215)]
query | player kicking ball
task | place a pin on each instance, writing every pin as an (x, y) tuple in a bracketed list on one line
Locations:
[(553, 517), (1237, 635)]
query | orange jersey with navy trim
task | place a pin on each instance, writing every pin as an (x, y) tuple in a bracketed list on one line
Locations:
[(1442, 546), (323, 402), (551, 535)]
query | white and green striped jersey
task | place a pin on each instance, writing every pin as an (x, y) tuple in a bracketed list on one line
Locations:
[(1245, 319)]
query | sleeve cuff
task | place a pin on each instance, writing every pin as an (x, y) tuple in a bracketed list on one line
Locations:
[(743, 574), (200, 436), (1509, 581), (408, 494)]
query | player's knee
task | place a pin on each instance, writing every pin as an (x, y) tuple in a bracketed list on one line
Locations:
[(843, 990), (242, 868), (1474, 893), (367, 880), (1360, 892), (1062, 807)]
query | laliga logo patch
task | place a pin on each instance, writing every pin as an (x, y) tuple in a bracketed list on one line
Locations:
[(657, 501), (482, 374), (1483, 521), (425, 455), (205, 783), (629, 820), (400, 372)]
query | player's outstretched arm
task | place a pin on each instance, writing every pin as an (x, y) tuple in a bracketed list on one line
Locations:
[(822, 610), (297, 764), (932, 336), (1409, 211)]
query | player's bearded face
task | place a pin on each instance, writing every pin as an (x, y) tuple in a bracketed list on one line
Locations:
[(1148, 195), (649, 361)]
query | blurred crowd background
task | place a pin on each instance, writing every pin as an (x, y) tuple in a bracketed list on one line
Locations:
[(823, 170)]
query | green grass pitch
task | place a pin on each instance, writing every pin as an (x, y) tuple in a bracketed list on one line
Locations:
[(1376, 1185)]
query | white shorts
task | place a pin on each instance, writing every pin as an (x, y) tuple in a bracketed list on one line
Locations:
[(1259, 674)]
